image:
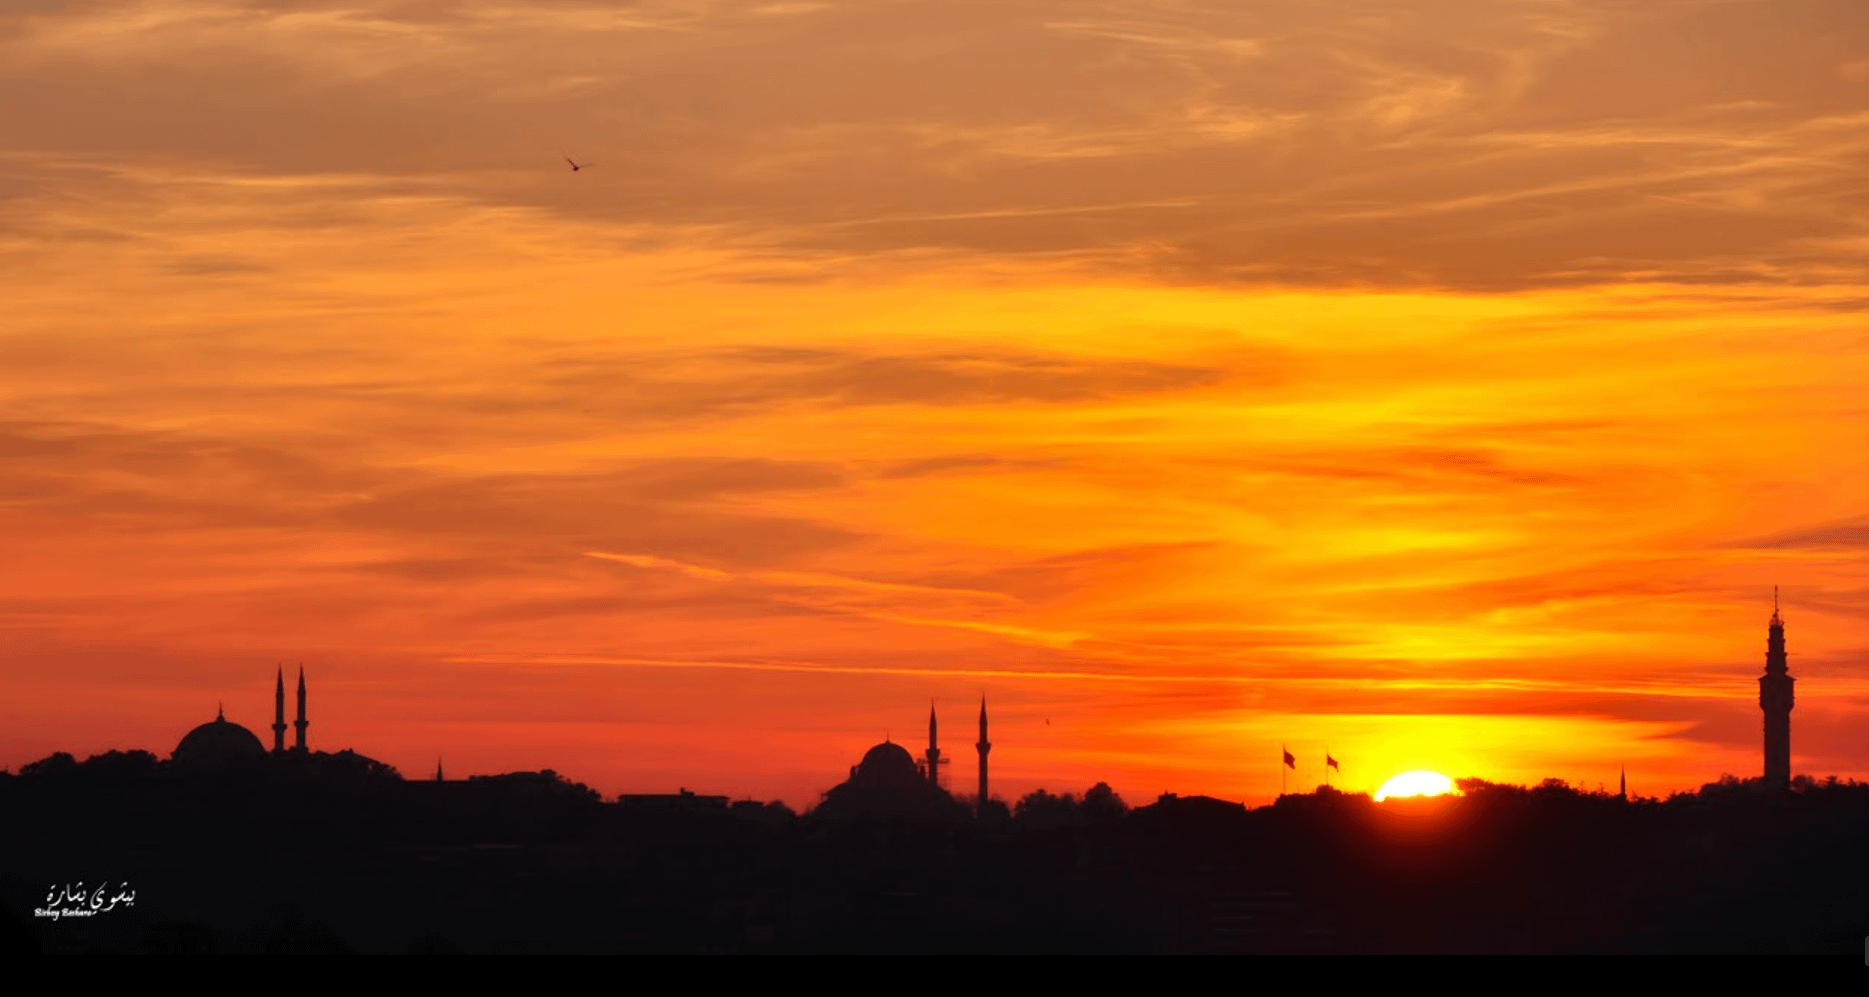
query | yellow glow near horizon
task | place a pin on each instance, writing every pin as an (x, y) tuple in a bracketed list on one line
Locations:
[(1420, 782)]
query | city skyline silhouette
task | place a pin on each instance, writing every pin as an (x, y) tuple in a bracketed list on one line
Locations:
[(228, 847), (222, 745), (1305, 767), (205, 843)]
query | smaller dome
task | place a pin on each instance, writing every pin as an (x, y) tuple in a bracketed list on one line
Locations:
[(217, 744)]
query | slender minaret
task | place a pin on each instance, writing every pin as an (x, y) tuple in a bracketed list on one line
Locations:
[(934, 753), (1622, 786), (1775, 700), (301, 722), (983, 746), (279, 713), (438, 770)]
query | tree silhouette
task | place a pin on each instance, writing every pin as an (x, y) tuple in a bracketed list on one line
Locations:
[(1042, 809), (120, 765), (1101, 803), (56, 764)]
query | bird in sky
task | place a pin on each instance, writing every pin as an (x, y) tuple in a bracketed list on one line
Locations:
[(575, 165)]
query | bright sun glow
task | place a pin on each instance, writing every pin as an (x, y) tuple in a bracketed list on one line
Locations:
[(1417, 783)]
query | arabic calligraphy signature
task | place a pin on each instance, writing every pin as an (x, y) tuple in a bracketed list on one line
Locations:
[(75, 900)]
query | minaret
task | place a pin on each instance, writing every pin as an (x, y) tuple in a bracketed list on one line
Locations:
[(934, 753), (301, 722), (1775, 700), (438, 770), (1622, 788), (279, 713), (983, 746)]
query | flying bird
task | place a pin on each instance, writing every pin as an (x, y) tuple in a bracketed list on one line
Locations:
[(575, 165)]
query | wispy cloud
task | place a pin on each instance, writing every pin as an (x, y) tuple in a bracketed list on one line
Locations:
[(1208, 370)]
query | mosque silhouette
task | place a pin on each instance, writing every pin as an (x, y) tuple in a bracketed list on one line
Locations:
[(220, 745), (889, 780)]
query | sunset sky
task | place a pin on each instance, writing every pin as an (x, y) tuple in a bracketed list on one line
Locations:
[(1445, 388)]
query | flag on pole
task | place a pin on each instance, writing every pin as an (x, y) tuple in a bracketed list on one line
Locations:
[(1290, 762), (1332, 762)]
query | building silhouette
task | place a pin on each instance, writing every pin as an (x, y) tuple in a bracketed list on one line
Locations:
[(686, 801), (1775, 699)]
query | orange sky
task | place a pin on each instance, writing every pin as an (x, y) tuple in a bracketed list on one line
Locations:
[(1445, 388)]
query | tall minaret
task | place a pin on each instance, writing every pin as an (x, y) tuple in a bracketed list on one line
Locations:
[(934, 753), (279, 713), (301, 722), (983, 746), (1775, 700)]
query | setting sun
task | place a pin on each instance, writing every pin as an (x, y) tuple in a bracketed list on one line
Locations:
[(1417, 783)]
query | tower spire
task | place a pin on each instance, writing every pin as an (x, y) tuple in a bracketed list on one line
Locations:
[(301, 723), (1775, 699), (934, 753), (279, 712), (982, 746)]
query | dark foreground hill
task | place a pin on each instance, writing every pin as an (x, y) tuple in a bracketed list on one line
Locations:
[(339, 857)]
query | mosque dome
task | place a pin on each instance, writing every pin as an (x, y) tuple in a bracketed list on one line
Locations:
[(888, 766), (218, 744)]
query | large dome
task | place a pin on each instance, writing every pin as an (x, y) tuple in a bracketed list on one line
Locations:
[(218, 744), (888, 786), (888, 766)]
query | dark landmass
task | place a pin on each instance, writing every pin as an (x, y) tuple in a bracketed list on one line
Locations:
[(336, 853)]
